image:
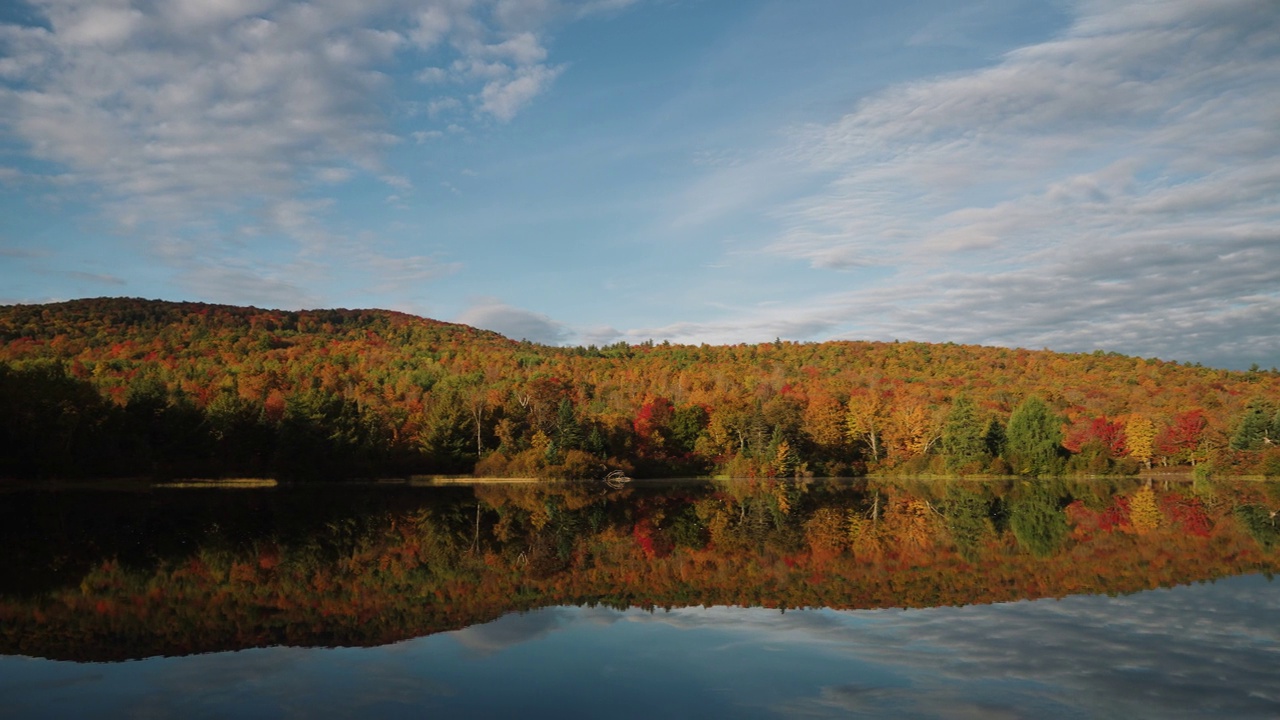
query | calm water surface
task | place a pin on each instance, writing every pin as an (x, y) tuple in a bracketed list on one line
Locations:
[(736, 599)]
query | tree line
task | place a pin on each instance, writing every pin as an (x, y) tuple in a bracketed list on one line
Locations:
[(119, 387)]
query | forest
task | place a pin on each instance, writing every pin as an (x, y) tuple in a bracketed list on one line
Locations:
[(121, 387)]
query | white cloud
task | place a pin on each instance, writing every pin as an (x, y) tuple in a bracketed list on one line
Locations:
[(228, 283), (522, 49), (430, 26), (398, 182), (398, 275), (519, 14), (192, 113), (431, 75), (594, 7), (510, 630), (334, 175), (756, 326), (421, 136), (505, 97), (96, 278), (209, 127), (204, 105), (513, 322), (1092, 190), (443, 105)]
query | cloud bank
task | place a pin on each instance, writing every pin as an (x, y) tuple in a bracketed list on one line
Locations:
[(1115, 186), (513, 322), (219, 132)]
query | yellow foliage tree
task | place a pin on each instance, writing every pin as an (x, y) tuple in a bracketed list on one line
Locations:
[(1140, 438), (824, 421), (784, 462), (909, 430), (865, 419)]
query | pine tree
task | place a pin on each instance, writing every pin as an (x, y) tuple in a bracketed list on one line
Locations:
[(1255, 427), (1034, 442), (962, 437), (568, 431)]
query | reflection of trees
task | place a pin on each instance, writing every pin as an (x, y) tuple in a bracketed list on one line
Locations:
[(445, 560), (968, 516), (1037, 522), (1260, 523)]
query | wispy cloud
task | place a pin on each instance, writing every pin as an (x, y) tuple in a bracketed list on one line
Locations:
[(247, 114), (503, 97), (96, 278), (1115, 186)]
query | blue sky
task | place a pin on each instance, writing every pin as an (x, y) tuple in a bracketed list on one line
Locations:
[(1070, 175)]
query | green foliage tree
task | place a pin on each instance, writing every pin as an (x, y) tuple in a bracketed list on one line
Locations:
[(963, 440), (325, 436), (1255, 426), (1033, 445), (568, 430), (241, 439), (687, 425), (994, 437)]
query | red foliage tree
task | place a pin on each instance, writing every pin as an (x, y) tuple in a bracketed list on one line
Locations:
[(1182, 436), (1108, 433)]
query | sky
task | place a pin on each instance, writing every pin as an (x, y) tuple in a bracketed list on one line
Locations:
[(1031, 173)]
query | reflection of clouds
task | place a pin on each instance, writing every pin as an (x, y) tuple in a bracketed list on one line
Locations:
[(1195, 651), (820, 626), (900, 702), (516, 628), (509, 630), (1187, 652), (282, 682)]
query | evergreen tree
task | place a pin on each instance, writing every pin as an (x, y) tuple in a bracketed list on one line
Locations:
[(962, 437), (1255, 427), (1034, 442), (994, 437), (596, 443), (568, 431)]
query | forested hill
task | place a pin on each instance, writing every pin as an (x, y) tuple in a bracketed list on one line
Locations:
[(136, 387)]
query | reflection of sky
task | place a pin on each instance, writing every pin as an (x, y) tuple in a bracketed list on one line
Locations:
[(1199, 651)]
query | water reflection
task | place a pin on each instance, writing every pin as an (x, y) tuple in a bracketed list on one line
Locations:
[(1191, 651), (111, 576)]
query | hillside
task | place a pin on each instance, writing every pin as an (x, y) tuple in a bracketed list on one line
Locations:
[(135, 387)]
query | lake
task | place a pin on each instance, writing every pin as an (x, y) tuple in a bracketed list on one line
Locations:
[(744, 598)]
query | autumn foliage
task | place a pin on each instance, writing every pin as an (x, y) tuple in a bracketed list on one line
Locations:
[(112, 387)]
